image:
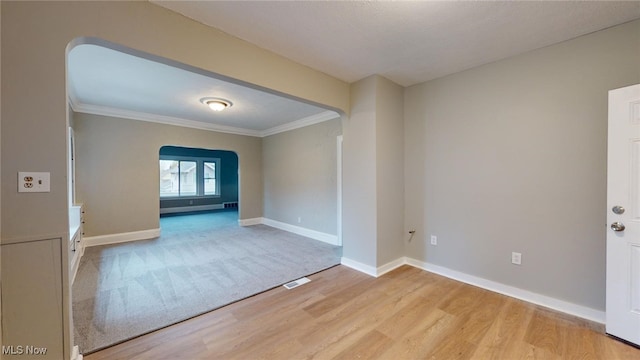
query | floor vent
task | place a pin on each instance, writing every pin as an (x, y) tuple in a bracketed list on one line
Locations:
[(228, 205), (296, 283)]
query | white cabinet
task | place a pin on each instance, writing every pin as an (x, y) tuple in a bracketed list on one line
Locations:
[(76, 246)]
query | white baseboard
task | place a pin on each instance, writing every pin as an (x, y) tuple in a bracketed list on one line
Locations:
[(120, 238), (369, 270), (514, 292), (508, 290), (373, 271), (313, 234), (250, 222), (390, 266), (75, 353)]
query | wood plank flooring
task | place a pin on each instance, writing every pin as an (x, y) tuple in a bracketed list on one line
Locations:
[(405, 314)]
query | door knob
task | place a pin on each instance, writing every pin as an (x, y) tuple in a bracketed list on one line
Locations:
[(616, 226), (619, 210)]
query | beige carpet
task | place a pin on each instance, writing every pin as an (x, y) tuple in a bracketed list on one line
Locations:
[(199, 263)]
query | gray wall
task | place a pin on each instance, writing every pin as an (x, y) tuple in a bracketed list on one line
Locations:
[(511, 156), (108, 148), (389, 171), (359, 213), (373, 175), (300, 176)]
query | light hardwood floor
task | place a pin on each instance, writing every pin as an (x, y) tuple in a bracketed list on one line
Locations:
[(405, 314)]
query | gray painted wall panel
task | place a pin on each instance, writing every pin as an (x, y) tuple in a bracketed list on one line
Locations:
[(32, 298), (390, 171), (359, 212), (300, 176), (511, 156)]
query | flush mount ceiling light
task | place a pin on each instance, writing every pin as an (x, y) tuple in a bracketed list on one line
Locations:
[(216, 104)]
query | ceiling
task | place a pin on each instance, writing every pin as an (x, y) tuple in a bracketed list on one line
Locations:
[(105, 81), (408, 42)]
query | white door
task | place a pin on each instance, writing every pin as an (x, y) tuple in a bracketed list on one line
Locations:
[(623, 215)]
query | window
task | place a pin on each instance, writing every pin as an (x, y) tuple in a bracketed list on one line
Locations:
[(210, 179), (188, 177)]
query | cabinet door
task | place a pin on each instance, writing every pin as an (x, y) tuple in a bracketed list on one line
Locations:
[(32, 311)]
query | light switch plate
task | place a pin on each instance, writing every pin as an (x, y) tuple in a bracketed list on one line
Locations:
[(516, 258), (34, 181)]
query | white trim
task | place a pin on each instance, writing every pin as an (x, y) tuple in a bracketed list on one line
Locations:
[(73, 101), (161, 119), (369, 270), (507, 290), (528, 296), (75, 236), (120, 238), (339, 190), (390, 266), (77, 254), (181, 209), (176, 121), (313, 234), (309, 120), (250, 222), (75, 353)]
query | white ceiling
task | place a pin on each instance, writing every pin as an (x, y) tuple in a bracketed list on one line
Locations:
[(408, 42), (109, 82)]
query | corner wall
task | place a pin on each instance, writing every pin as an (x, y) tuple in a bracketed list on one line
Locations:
[(300, 176), (389, 171), (511, 156), (373, 177), (359, 214)]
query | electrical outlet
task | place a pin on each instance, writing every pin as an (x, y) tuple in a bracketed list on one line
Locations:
[(434, 240), (34, 182), (516, 258), (299, 219)]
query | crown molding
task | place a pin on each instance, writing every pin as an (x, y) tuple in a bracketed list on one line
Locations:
[(72, 100), (169, 120), (309, 120), (161, 119)]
